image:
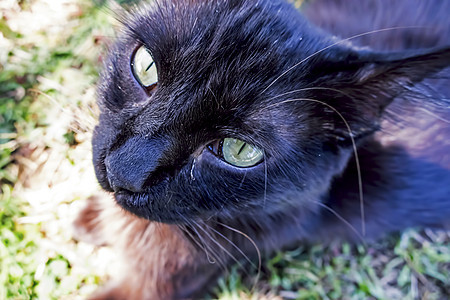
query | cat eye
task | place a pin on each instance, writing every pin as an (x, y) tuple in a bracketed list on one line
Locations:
[(237, 152), (144, 67)]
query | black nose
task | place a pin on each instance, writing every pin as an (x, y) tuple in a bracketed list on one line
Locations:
[(129, 166)]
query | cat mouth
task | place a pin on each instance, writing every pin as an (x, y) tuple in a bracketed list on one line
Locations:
[(131, 200), (147, 206)]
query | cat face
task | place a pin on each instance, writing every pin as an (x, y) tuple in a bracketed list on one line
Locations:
[(221, 108)]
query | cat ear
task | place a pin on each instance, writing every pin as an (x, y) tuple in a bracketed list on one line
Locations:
[(391, 73), (364, 83)]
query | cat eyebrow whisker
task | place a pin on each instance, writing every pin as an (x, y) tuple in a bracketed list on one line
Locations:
[(335, 44), (84, 122), (214, 96), (355, 151)]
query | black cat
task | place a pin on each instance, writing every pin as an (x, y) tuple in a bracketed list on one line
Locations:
[(231, 126)]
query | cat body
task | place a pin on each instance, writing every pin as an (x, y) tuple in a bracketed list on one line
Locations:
[(352, 123)]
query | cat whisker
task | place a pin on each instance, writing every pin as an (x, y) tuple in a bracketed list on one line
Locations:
[(355, 151), (222, 247), (310, 89), (186, 231), (258, 252), (265, 179), (243, 179), (435, 115), (232, 244), (85, 122), (341, 218), (335, 44), (217, 255), (170, 194), (200, 242)]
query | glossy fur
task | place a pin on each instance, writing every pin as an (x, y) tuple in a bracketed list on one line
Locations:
[(259, 71)]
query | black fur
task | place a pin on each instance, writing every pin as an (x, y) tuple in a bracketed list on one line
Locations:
[(317, 100), (220, 67)]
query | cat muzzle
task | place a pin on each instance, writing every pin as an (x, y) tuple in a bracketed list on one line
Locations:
[(130, 166)]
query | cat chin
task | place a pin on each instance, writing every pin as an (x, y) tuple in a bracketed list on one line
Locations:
[(157, 209), (140, 204)]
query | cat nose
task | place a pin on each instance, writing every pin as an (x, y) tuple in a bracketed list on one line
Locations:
[(129, 166)]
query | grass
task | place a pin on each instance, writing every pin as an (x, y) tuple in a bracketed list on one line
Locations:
[(408, 266), (49, 61), (48, 68)]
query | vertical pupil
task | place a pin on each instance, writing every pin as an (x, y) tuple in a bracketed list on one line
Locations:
[(149, 66), (242, 148)]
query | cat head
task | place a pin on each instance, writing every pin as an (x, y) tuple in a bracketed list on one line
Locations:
[(220, 108)]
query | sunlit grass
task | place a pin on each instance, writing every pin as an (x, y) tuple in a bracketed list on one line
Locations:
[(48, 68)]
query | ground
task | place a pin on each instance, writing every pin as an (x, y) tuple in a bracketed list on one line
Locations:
[(50, 56)]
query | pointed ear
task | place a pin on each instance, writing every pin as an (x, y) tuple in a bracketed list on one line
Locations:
[(391, 73), (365, 83)]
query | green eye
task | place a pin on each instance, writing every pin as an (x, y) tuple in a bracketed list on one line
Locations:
[(241, 154), (144, 67)]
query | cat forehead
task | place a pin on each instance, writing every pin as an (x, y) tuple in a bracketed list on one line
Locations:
[(229, 49), (196, 21), (230, 35)]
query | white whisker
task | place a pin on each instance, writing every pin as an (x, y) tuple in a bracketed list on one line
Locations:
[(233, 244), (342, 219), (309, 89), (434, 115), (265, 180), (334, 44), (208, 257), (200, 243), (254, 245), (355, 151), (222, 247)]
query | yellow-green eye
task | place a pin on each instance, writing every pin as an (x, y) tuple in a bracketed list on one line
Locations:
[(144, 68), (241, 154)]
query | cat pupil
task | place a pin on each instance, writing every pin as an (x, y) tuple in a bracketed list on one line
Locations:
[(149, 66), (242, 148)]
